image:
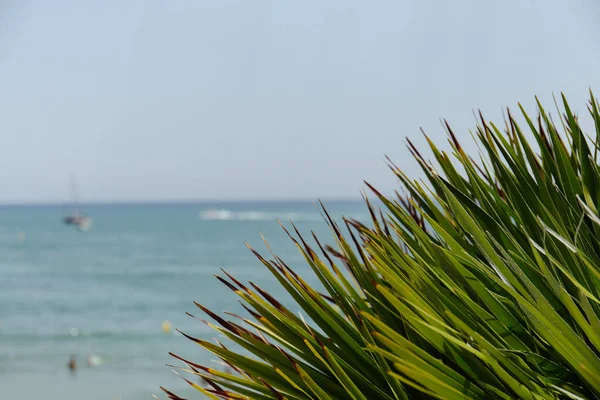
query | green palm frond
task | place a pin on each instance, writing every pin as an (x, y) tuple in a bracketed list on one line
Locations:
[(481, 283)]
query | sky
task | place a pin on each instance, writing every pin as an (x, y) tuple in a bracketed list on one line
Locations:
[(183, 100)]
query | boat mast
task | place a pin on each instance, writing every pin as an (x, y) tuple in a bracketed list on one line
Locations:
[(74, 194)]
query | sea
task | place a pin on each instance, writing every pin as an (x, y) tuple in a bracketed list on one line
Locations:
[(114, 297)]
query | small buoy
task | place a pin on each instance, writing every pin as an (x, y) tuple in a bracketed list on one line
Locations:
[(74, 332), (166, 326), (21, 237), (94, 360)]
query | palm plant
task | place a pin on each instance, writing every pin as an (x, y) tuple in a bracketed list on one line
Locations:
[(482, 282)]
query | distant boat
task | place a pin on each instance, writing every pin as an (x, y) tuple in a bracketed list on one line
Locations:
[(79, 220)]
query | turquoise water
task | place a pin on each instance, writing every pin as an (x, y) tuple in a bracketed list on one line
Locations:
[(107, 291)]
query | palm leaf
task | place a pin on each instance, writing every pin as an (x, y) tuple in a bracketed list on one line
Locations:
[(480, 283)]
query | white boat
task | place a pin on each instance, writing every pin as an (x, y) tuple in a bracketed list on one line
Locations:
[(79, 220)]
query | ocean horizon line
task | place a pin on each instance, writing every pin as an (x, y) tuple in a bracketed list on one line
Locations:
[(200, 202)]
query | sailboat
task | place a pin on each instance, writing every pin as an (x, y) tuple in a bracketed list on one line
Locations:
[(79, 220)]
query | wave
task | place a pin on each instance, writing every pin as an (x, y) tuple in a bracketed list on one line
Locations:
[(156, 334), (228, 215)]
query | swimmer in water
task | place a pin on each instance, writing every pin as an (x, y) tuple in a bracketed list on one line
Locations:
[(72, 363)]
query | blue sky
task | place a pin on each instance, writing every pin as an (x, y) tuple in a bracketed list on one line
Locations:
[(150, 100)]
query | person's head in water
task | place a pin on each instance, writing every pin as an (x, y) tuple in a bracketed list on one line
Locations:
[(72, 363)]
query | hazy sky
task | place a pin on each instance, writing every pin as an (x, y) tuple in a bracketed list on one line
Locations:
[(198, 99)]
